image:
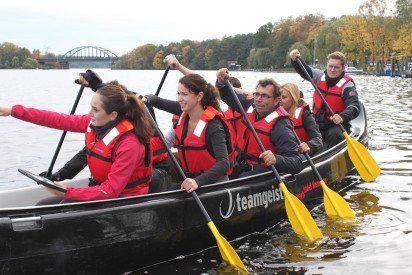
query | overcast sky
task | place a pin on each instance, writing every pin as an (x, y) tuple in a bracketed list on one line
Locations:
[(122, 25)]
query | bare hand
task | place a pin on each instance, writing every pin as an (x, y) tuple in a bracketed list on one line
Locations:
[(5, 111), (303, 148), (172, 61), (268, 157), (189, 185), (144, 99), (337, 119), (294, 54), (55, 192), (222, 74)]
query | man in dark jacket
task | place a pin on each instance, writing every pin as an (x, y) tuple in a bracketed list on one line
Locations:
[(340, 93), (264, 111)]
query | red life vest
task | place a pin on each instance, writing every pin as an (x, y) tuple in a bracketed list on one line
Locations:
[(235, 119), (262, 128), (332, 95), (298, 123), (99, 157), (159, 152), (193, 152), (175, 120)]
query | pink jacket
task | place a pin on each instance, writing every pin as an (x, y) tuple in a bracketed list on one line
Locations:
[(127, 153)]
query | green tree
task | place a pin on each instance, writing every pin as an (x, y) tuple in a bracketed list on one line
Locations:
[(282, 40), (15, 62), (7, 52), (328, 40), (30, 63), (403, 11), (262, 58), (209, 59), (251, 58), (263, 36), (305, 52)]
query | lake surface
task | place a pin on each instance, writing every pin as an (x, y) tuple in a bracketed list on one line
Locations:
[(378, 243)]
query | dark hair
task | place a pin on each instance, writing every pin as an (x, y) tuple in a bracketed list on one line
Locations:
[(235, 82), (115, 82), (127, 106), (196, 84), (270, 81)]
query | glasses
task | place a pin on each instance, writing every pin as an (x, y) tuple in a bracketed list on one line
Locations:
[(263, 96)]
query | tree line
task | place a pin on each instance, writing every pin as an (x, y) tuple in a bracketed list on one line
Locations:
[(374, 34)]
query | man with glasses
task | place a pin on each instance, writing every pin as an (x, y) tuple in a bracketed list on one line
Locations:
[(340, 93), (273, 127)]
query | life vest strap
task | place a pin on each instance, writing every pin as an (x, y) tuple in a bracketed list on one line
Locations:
[(94, 154), (183, 147)]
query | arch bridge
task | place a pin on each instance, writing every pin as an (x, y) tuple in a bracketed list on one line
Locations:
[(83, 54)]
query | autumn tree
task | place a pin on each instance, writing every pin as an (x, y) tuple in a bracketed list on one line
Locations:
[(355, 38), (378, 28), (36, 54), (158, 60), (402, 46)]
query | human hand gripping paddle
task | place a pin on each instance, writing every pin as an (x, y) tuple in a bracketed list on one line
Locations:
[(299, 216), (59, 145), (364, 163), (335, 205), (229, 255)]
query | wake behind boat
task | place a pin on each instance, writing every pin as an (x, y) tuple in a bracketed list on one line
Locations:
[(123, 234)]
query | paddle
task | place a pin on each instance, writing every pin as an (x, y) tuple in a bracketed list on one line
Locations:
[(163, 80), (226, 250), (59, 145), (364, 163), (335, 205), (299, 216)]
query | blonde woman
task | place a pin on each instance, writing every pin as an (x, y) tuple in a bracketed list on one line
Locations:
[(302, 118)]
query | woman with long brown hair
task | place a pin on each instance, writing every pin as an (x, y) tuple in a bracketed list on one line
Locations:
[(204, 139), (117, 137)]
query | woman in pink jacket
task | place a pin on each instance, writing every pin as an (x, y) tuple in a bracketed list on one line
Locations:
[(117, 137)]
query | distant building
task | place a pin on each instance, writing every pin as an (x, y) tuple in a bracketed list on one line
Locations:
[(232, 65)]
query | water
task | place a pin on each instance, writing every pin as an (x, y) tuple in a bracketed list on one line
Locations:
[(377, 243)]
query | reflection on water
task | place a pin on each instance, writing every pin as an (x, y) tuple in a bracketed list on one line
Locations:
[(377, 242)]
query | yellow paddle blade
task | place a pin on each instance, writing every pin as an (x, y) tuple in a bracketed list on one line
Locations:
[(229, 254), (299, 216), (364, 163), (335, 205)]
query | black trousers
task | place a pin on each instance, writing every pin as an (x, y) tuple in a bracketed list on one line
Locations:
[(333, 135)]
